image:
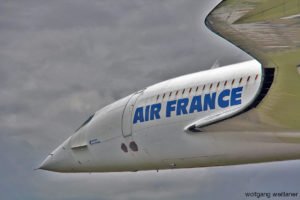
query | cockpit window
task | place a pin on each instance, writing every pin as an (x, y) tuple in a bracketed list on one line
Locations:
[(86, 121)]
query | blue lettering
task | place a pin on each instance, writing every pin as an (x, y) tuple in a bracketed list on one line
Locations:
[(196, 104), (209, 101), (138, 115), (170, 107), (154, 112), (225, 99), (221, 101), (236, 95), (181, 106), (147, 113)]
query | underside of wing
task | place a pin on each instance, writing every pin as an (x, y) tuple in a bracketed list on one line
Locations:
[(269, 30)]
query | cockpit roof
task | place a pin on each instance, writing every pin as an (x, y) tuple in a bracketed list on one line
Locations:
[(85, 122)]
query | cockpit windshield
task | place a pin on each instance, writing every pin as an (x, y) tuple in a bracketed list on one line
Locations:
[(86, 122)]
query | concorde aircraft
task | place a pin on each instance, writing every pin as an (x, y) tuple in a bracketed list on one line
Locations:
[(237, 114)]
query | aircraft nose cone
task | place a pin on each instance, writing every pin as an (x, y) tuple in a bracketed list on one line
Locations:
[(60, 160), (45, 164)]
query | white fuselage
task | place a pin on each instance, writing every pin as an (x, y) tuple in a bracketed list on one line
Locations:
[(150, 129)]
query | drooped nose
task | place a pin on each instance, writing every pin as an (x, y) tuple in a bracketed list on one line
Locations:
[(60, 160)]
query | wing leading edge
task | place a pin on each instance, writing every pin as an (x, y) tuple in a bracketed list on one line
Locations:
[(269, 31)]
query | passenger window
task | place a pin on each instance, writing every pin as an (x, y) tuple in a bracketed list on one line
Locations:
[(248, 79), (203, 87), (190, 90), (197, 89), (225, 83), (183, 91), (241, 79), (232, 82)]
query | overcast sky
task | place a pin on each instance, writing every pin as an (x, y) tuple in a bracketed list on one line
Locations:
[(61, 60)]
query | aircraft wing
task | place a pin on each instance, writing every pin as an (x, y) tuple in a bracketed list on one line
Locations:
[(269, 31)]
